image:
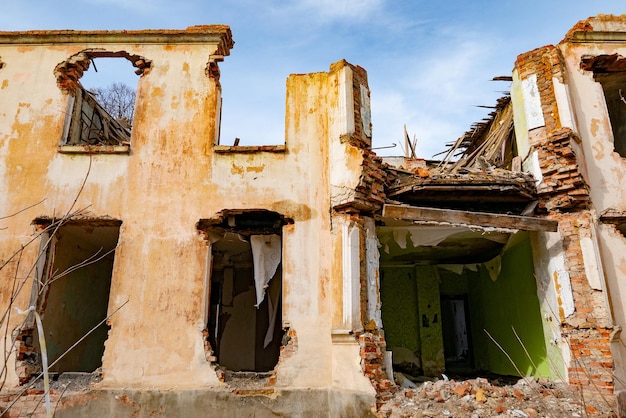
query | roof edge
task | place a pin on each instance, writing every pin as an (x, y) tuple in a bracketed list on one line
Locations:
[(204, 34), (600, 28)]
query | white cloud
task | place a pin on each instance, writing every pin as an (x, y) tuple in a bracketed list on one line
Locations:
[(142, 6), (340, 9), (325, 11), (390, 112), (453, 73), (434, 90)]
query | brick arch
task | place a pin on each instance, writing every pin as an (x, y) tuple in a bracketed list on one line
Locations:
[(71, 70)]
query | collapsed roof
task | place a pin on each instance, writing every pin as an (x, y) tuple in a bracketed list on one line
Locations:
[(477, 173)]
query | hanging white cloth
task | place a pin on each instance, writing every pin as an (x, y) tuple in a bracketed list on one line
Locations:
[(266, 255)]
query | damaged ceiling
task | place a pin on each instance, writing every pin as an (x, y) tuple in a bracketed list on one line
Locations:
[(464, 208), (477, 172), (439, 244), (497, 190)]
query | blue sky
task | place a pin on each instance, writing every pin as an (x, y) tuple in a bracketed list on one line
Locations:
[(429, 62)]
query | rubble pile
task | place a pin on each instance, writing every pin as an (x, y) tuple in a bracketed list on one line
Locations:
[(479, 398)]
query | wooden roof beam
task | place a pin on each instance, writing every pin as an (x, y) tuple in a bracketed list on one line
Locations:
[(416, 213)]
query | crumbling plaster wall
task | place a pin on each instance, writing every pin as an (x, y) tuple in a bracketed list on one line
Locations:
[(604, 169), (563, 132), (172, 177), (555, 296), (175, 114), (313, 266)]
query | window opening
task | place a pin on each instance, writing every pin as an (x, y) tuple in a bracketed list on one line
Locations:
[(614, 87), (92, 125), (245, 312), (245, 137), (72, 297), (610, 72), (101, 107)]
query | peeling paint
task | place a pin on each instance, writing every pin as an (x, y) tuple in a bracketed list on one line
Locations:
[(590, 262), (532, 102), (255, 169), (598, 149), (595, 125), (564, 289)]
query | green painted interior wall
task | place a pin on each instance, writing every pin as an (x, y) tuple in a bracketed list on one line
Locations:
[(429, 313), (399, 313), (452, 283), (510, 302), (506, 303)]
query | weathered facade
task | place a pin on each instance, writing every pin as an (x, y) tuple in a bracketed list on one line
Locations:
[(173, 275), (570, 134), (153, 236)]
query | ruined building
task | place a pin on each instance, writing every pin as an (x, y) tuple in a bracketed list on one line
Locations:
[(172, 274)]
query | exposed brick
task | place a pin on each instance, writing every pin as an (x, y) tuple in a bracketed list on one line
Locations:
[(564, 196), (372, 349)]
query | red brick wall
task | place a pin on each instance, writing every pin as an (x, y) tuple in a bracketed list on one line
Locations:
[(564, 197), (370, 192), (545, 63), (589, 339), (563, 186), (359, 78), (372, 347)]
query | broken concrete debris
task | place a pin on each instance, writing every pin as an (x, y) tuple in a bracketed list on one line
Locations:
[(480, 397)]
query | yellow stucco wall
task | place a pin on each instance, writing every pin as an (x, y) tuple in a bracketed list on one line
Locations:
[(172, 178)]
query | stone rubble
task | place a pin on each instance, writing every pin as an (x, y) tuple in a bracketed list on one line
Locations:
[(479, 398)]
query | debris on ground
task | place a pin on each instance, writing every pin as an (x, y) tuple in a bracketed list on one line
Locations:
[(479, 398)]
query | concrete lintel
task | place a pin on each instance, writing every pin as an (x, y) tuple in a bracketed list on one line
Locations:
[(596, 37)]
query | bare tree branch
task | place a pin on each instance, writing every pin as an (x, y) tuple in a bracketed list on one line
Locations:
[(118, 100)]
